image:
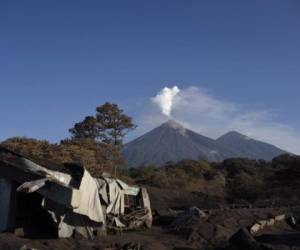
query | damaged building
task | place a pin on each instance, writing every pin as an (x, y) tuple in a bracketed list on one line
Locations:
[(43, 199)]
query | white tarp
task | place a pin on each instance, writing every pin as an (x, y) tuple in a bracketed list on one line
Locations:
[(90, 204)]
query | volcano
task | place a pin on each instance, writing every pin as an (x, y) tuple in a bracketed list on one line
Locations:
[(173, 142)]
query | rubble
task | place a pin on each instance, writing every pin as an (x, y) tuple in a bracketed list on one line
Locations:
[(24, 247), (185, 218), (260, 225), (68, 197)]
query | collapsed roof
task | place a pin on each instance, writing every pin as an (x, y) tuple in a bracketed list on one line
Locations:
[(75, 201)]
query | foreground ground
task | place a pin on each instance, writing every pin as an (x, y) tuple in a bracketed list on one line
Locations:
[(212, 232), (233, 194), (172, 230)]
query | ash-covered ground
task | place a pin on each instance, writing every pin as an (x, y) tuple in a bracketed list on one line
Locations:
[(197, 205)]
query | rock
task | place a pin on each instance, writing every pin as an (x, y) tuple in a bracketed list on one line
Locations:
[(280, 217), (255, 228), (196, 211), (270, 222), (262, 223)]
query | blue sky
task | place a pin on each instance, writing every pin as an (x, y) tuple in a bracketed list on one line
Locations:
[(60, 59)]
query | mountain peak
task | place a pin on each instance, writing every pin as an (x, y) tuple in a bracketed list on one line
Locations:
[(234, 134), (174, 125)]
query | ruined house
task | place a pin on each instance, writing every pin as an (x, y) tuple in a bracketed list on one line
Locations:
[(43, 199)]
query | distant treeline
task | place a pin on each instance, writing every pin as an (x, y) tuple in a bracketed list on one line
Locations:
[(234, 180)]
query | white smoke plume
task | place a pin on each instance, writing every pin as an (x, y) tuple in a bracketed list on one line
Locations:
[(165, 99)]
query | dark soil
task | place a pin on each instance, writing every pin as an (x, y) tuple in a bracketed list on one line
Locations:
[(210, 232)]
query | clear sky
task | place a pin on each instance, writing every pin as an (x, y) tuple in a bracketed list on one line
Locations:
[(60, 59)]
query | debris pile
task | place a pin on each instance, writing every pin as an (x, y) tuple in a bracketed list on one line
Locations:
[(66, 199), (260, 225), (186, 218)]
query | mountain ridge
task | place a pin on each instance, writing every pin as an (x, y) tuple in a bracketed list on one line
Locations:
[(173, 142), (248, 147)]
